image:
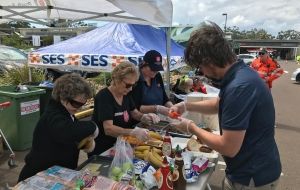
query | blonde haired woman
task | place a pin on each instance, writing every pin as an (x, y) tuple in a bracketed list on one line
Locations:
[(114, 109)]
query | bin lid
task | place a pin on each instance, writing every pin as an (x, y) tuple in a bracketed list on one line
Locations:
[(10, 91)]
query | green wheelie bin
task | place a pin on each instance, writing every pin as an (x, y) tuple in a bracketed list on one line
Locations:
[(19, 119), (44, 98)]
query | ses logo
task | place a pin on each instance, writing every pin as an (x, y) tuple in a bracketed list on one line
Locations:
[(86, 60)]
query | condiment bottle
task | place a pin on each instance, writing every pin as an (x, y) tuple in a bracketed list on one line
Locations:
[(167, 146), (165, 182), (180, 183)]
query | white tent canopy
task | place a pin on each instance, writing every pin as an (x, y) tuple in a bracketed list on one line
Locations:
[(151, 12)]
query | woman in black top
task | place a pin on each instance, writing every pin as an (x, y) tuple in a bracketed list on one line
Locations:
[(114, 109), (58, 132)]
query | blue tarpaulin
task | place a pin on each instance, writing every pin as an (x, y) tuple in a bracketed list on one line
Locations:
[(106, 46)]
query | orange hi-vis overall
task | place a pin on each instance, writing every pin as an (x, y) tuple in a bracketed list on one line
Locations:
[(268, 71)]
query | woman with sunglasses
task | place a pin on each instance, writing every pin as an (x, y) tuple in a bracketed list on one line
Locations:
[(149, 94), (114, 109), (58, 133)]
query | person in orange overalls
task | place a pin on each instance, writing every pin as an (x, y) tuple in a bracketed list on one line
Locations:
[(267, 68)]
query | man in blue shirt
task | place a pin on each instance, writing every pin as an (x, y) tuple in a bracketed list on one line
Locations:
[(245, 108)]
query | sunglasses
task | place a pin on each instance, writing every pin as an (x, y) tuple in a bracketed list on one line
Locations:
[(128, 85), (261, 53), (76, 104)]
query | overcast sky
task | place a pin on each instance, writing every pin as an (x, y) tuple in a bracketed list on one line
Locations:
[(271, 15)]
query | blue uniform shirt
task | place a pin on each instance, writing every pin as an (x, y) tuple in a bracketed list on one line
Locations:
[(246, 104), (154, 94)]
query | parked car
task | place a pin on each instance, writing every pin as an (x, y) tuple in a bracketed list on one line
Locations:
[(296, 75), (11, 57), (248, 58)]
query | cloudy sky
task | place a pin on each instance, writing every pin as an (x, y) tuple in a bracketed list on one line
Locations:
[(271, 15)]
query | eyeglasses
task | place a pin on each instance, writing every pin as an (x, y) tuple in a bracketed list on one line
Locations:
[(128, 85), (261, 53), (75, 103)]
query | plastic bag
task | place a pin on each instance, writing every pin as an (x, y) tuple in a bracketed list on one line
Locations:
[(122, 168)]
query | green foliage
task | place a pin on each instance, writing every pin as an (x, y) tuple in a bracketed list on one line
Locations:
[(67, 23), (15, 41), (288, 35), (77, 24), (98, 82), (15, 24), (102, 79), (19, 75), (254, 34), (47, 40)]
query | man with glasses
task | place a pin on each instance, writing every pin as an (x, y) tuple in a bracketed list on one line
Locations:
[(267, 68), (245, 109)]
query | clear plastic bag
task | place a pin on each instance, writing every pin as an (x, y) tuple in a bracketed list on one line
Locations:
[(122, 168)]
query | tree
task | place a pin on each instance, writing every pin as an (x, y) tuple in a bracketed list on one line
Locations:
[(259, 34), (288, 35), (15, 24), (235, 32), (15, 41), (67, 23), (253, 34)]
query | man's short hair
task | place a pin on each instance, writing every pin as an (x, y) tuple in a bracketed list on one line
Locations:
[(207, 45)]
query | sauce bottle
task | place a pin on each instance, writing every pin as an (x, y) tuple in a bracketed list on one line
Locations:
[(167, 146), (165, 182), (178, 176)]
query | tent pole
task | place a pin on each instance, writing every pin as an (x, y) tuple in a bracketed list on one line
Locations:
[(168, 43), (29, 73)]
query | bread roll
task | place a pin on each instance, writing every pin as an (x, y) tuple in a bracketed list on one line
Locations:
[(193, 145)]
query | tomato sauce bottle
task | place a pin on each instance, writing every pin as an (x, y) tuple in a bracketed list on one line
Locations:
[(166, 180), (167, 146)]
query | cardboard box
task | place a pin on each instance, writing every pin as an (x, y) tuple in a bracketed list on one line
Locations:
[(210, 121)]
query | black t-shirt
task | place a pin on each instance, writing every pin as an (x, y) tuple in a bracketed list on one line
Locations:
[(107, 108)]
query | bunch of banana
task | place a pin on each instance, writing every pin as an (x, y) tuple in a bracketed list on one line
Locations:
[(152, 155), (155, 159), (155, 135), (141, 152)]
